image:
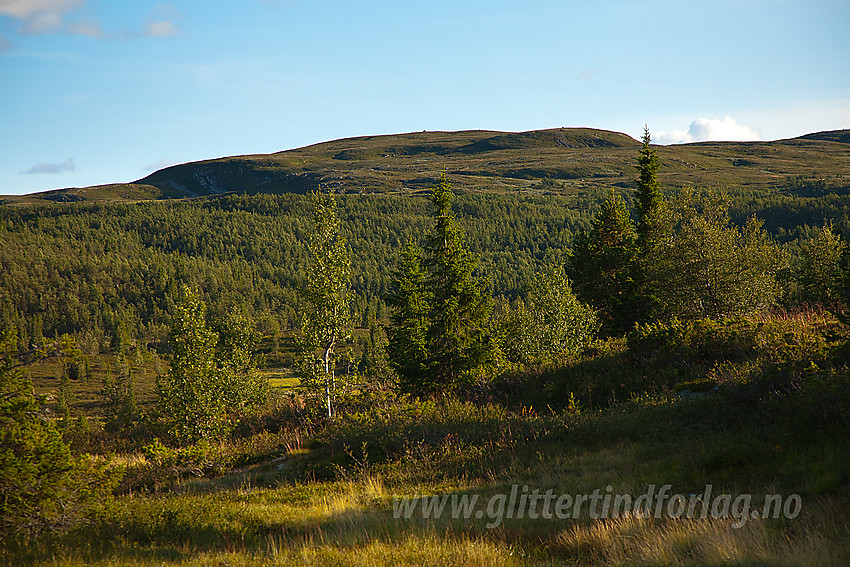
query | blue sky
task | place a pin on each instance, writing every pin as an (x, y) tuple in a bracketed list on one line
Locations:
[(102, 91)]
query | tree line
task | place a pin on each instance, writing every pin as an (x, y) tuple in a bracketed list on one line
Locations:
[(110, 273)]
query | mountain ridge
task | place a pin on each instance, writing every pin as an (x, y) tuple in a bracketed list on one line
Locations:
[(557, 159)]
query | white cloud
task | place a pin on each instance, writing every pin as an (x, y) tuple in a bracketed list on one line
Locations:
[(49, 16), (159, 164), (23, 9), (164, 28), (162, 23), (52, 168), (39, 16), (709, 130)]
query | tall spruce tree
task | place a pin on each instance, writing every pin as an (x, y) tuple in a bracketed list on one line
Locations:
[(602, 266), (439, 337), (650, 230), (408, 331), (648, 197), (460, 310)]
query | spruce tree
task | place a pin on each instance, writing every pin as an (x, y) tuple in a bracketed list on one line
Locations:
[(34, 458), (64, 399), (461, 304), (129, 408), (602, 266), (648, 197), (408, 331), (439, 338), (650, 229), (374, 362)]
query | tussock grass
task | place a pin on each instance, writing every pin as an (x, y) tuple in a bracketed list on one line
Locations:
[(644, 541), (775, 421)]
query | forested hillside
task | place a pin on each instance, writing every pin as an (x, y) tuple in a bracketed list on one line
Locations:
[(108, 272), (268, 376)]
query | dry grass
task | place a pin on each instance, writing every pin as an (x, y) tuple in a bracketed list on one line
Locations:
[(642, 541), (416, 550)]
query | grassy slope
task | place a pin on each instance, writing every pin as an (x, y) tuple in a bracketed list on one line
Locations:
[(577, 159), (252, 519), (124, 192), (776, 421)]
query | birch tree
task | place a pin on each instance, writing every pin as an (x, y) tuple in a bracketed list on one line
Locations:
[(821, 275), (212, 379), (705, 266), (327, 321), (551, 325)]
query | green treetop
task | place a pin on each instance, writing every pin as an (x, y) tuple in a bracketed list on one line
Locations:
[(648, 197)]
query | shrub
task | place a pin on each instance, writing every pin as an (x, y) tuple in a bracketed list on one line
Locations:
[(41, 485)]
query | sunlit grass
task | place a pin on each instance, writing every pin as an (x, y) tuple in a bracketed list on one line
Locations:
[(283, 383), (350, 523), (419, 550), (293, 496), (642, 541)]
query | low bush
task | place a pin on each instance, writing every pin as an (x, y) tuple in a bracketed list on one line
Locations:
[(769, 352)]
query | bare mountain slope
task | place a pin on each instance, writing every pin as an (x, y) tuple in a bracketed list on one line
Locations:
[(561, 160)]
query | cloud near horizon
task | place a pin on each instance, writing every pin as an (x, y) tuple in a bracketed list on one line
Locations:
[(709, 130), (40, 17), (159, 164), (52, 168)]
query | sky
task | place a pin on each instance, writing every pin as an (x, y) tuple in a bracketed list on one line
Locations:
[(108, 91)]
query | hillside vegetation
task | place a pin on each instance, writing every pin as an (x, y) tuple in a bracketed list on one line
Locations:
[(194, 373)]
